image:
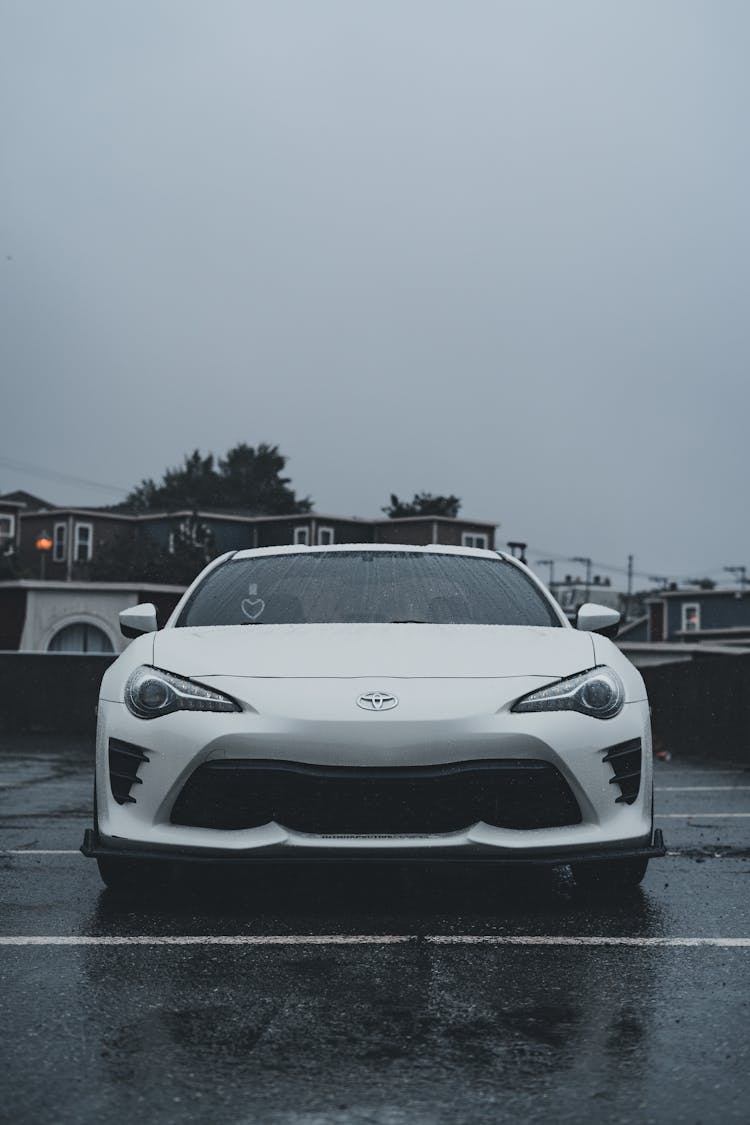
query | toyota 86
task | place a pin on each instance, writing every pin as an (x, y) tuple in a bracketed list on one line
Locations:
[(372, 702)]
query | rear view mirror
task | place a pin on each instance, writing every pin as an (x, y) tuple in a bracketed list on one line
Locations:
[(598, 619), (138, 619)]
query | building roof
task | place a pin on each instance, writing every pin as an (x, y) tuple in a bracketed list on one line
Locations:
[(239, 517), (697, 592), (679, 648), (23, 499), (632, 626)]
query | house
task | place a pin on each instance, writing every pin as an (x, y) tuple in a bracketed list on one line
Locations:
[(10, 525), (78, 535), (54, 616), (694, 615), (75, 535)]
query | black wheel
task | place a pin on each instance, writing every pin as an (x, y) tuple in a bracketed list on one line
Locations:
[(134, 876), (610, 875)]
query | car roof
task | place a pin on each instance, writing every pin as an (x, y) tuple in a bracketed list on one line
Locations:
[(400, 548)]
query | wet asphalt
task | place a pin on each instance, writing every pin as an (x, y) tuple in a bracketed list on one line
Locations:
[(376, 1003)]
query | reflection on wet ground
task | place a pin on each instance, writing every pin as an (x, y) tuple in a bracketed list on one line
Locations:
[(441, 1028), (369, 900)]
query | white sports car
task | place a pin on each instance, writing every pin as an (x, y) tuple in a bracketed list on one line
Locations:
[(360, 701)]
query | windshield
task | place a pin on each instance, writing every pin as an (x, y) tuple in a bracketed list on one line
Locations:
[(367, 587)]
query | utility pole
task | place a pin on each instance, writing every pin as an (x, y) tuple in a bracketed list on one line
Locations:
[(629, 594), (740, 572), (551, 564), (587, 562)]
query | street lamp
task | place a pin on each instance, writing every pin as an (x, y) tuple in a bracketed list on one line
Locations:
[(43, 545)]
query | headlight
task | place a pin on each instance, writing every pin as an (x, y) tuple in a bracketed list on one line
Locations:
[(599, 692), (150, 692)]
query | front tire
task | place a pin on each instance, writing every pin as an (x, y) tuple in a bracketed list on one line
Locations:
[(610, 875)]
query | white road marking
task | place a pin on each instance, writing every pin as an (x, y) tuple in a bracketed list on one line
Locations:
[(700, 788), (213, 939), (376, 939), (41, 851), (692, 815), (550, 939)]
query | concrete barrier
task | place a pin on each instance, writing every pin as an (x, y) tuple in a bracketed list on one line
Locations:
[(50, 692), (701, 708)]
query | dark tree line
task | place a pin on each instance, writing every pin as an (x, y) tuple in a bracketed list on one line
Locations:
[(423, 504), (247, 479)]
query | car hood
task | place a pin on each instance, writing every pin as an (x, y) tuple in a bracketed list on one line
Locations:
[(351, 651)]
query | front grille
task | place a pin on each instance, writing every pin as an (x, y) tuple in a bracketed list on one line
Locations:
[(124, 762), (625, 760), (507, 793)]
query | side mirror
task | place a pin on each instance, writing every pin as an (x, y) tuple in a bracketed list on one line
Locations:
[(138, 619), (598, 619)]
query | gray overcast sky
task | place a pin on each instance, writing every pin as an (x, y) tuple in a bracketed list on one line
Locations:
[(497, 249)]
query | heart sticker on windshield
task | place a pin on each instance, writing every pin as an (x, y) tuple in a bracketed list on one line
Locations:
[(253, 607)]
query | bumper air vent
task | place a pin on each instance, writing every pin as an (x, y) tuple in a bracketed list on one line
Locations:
[(124, 761), (625, 760), (508, 793)]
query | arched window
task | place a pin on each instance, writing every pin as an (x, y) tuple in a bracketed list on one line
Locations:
[(80, 637)]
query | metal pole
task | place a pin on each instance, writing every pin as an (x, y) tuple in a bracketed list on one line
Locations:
[(551, 564), (629, 594), (587, 562)]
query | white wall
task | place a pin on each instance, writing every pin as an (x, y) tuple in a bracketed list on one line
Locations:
[(49, 610)]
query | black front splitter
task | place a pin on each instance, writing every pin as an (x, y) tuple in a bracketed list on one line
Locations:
[(647, 848)]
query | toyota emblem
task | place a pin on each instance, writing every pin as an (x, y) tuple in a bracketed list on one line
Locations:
[(377, 701)]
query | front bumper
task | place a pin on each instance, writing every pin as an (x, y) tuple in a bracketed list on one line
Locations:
[(650, 847)]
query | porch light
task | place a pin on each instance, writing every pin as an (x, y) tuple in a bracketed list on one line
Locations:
[(43, 544)]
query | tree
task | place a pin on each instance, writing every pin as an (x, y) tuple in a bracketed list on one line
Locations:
[(423, 504), (256, 473), (246, 478)]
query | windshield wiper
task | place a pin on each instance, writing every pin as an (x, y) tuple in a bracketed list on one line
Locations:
[(408, 621)]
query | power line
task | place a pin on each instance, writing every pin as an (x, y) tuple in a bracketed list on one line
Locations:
[(57, 476), (614, 567)]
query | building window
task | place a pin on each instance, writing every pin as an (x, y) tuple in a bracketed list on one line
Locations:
[(58, 541), (80, 637), (691, 617), (474, 539), (7, 528), (325, 536), (84, 542), (302, 535)]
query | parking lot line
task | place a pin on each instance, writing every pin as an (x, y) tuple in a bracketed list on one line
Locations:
[(374, 939), (40, 851), (690, 815), (700, 788)]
